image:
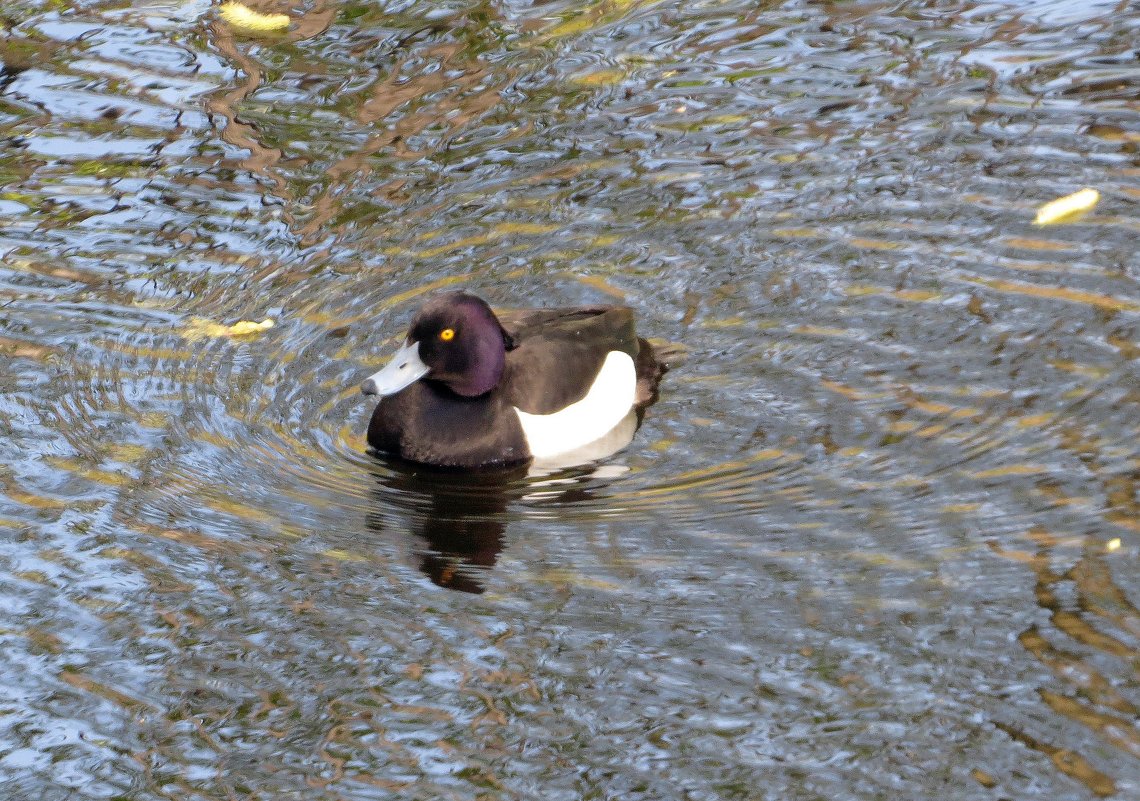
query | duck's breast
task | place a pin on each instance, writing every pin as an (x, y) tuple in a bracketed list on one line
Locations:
[(428, 424)]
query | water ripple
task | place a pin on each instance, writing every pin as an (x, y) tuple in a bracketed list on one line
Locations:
[(875, 538)]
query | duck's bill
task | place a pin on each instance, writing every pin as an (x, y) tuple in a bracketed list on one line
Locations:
[(405, 368)]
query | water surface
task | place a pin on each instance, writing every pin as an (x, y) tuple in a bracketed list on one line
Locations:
[(877, 539)]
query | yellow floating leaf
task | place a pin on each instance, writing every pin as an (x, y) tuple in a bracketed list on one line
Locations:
[(244, 19), (201, 328), (1068, 208), (243, 327), (1112, 545)]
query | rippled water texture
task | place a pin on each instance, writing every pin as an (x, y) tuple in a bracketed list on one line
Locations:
[(878, 538)]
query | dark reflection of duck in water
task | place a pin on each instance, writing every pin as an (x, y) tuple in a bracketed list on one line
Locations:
[(462, 516)]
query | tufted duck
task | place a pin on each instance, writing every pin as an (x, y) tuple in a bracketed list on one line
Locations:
[(553, 386)]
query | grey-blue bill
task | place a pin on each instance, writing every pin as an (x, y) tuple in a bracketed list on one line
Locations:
[(405, 367)]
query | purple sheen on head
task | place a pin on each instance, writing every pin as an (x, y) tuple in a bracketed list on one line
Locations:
[(488, 358), (472, 363)]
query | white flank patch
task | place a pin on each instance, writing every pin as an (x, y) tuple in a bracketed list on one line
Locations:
[(604, 407), (611, 442)]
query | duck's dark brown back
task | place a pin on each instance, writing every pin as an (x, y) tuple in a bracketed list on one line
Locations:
[(555, 354)]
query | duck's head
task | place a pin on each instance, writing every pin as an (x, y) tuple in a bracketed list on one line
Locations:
[(454, 339)]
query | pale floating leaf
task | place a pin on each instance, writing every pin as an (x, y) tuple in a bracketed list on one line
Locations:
[(1068, 208), (201, 328), (246, 20)]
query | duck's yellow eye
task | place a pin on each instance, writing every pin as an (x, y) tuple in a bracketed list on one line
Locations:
[(447, 334)]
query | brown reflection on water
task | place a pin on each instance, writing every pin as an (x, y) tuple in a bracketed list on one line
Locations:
[(1099, 628), (450, 95), (226, 102)]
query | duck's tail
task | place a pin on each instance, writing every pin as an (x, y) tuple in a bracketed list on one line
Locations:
[(654, 359)]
